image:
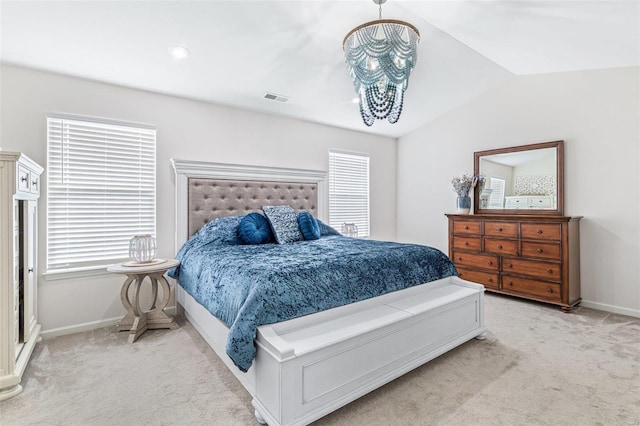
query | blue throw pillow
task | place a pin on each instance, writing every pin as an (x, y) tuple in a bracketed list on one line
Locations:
[(308, 226), (284, 223), (254, 229)]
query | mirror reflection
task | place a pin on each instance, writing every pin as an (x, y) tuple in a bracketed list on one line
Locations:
[(519, 180)]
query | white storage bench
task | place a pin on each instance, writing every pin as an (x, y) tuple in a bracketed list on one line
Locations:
[(310, 366)]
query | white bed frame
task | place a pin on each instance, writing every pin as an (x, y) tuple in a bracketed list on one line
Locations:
[(307, 367)]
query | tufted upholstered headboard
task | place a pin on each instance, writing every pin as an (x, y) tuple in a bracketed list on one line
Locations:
[(213, 198), (205, 191)]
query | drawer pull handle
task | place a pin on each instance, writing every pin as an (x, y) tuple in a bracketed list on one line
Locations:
[(539, 250), (490, 280), (466, 243), (549, 290), (34, 182), (23, 178), (539, 231), (510, 283), (550, 271), (459, 258), (499, 229), (30, 270), (509, 265), (466, 227), (500, 246), (490, 263)]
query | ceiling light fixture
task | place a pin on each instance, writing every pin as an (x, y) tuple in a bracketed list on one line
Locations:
[(380, 56), (179, 52)]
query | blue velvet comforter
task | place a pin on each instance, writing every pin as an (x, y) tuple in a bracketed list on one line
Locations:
[(246, 286)]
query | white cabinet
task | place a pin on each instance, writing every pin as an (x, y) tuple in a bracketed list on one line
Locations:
[(19, 328), (530, 202)]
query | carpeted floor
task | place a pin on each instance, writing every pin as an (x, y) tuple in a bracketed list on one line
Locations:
[(537, 366)]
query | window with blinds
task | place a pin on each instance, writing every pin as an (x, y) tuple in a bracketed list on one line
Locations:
[(496, 199), (349, 191), (101, 190)]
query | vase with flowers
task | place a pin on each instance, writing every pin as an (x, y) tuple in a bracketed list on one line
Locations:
[(461, 186)]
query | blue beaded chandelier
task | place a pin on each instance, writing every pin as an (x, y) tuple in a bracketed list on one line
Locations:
[(380, 56)]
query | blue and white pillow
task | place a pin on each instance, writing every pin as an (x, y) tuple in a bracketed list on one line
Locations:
[(284, 223)]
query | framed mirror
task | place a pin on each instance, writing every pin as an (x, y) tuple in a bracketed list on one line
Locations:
[(526, 179)]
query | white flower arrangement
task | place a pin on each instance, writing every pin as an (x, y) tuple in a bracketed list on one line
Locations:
[(463, 184)]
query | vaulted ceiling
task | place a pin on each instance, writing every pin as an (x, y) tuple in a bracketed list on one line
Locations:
[(242, 49)]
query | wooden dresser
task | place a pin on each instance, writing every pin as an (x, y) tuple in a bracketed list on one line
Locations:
[(531, 256)]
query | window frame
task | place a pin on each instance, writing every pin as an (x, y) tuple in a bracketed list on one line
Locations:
[(362, 219), (494, 194), (81, 184)]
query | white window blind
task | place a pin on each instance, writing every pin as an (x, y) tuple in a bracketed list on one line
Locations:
[(496, 198), (101, 190), (349, 191)]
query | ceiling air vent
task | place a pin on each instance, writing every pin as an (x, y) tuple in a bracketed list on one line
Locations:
[(274, 97)]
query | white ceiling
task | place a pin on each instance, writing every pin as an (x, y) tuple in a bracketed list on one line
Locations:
[(242, 49)]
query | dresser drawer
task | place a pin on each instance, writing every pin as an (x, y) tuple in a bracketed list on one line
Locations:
[(482, 261), (516, 202), (500, 229), (533, 268), (487, 279), (509, 247), (540, 202), (466, 227), (541, 250), (548, 291), (466, 243), (540, 231)]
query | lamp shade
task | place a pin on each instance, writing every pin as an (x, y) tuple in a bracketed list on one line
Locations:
[(380, 56)]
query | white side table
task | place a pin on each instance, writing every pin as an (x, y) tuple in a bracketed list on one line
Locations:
[(137, 320)]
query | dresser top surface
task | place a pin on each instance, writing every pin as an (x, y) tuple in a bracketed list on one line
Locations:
[(514, 218)]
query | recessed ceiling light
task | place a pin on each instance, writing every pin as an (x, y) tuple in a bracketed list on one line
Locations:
[(179, 52)]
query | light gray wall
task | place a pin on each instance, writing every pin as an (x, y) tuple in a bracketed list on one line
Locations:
[(491, 169), (597, 114), (187, 130)]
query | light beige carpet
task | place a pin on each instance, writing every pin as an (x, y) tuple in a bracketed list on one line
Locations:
[(537, 366)]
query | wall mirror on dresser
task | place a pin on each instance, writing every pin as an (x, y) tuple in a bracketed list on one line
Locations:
[(518, 242), (521, 178)]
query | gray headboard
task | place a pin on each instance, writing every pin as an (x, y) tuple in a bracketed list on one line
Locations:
[(213, 198), (205, 191)]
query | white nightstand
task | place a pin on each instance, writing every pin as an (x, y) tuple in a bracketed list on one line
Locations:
[(137, 320)]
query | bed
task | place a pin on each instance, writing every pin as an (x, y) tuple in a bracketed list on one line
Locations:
[(306, 365)]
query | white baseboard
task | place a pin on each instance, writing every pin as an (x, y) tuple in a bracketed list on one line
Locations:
[(611, 308), (78, 328)]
